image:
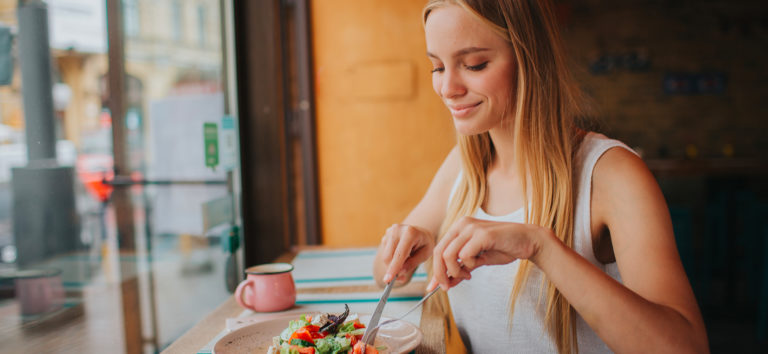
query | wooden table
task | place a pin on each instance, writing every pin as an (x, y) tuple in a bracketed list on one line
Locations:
[(440, 334)]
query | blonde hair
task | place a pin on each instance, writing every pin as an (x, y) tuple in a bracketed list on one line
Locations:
[(545, 104)]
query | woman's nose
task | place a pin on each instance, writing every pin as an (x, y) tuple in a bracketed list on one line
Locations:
[(451, 85)]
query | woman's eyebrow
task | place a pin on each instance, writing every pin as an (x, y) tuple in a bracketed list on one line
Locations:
[(462, 52)]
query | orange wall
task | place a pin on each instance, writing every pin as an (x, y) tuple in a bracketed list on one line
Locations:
[(381, 130)]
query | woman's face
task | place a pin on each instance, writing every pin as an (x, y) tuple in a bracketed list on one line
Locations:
[(473, 69)]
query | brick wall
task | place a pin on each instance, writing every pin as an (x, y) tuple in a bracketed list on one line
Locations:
[(624, 50)]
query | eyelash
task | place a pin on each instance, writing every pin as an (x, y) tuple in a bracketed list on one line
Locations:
[(477, 67)]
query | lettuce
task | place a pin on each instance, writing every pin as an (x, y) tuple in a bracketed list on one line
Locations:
[(286, 349), (347, 327), (293, 325), (332, 345)]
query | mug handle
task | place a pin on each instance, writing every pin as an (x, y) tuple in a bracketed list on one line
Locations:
[(240, 292)]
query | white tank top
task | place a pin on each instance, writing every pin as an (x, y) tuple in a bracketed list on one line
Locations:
[(481, 305)]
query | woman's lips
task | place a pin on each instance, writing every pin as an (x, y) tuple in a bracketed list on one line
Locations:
[(461, 111)]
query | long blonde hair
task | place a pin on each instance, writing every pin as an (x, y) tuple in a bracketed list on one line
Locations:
[(545, 104)]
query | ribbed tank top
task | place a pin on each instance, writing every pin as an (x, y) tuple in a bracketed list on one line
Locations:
[(480, 306)]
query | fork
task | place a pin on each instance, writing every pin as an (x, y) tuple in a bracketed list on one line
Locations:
[(375, 330)]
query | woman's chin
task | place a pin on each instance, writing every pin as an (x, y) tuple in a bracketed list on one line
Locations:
[(467, 128)]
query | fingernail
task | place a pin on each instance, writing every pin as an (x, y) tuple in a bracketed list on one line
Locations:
[(432, 285), (387, 277)]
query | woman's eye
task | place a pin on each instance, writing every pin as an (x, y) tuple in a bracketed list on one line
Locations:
[(437, 70), (477, 67)]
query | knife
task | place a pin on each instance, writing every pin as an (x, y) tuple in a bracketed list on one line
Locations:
[(377, 314)]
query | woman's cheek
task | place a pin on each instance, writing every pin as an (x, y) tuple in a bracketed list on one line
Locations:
[(436, 84)]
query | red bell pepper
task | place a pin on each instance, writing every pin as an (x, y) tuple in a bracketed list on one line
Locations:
[(303, 334)]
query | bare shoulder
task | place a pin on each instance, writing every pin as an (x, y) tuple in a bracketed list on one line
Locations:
[(627, 200), (621, 173)]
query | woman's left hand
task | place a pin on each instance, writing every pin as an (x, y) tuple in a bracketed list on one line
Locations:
[(471, 243)]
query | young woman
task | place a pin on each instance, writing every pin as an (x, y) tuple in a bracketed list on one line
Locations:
[(546, 237)]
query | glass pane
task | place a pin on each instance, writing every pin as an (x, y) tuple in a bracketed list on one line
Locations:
[(97, 261)]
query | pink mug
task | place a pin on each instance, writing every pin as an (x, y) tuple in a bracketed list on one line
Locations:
[(267, 288), (39, 291)]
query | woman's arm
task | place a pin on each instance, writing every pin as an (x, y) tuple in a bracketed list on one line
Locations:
[(406, 245), (655, 310)]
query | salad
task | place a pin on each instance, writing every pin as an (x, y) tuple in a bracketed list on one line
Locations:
[(322, 334)]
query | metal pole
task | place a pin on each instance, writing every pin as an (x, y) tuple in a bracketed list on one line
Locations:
[(36, 72), (306, 116), (121, 197), (45, 220)]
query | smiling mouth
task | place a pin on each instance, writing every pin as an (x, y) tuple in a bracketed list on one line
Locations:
[(464, 110)]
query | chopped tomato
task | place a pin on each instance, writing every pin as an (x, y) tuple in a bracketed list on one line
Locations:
[(353, 339), (357, 324), (303, 334), (314, 331), (358, 349), (312, 328)]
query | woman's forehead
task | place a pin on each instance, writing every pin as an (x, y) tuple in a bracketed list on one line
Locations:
[(450, 29)]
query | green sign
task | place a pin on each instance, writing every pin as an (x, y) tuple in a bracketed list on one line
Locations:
[(211, 138)]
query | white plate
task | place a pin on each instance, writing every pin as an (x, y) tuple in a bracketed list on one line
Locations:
[(398, 337)]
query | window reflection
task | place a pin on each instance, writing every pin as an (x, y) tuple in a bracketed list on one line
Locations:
[(77, 298)]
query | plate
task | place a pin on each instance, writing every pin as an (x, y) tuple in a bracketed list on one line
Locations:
[(398, 337)]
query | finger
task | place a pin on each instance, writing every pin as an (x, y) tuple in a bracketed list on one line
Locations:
[(392, 240), (453, 282), (451, 256), (438, 269), (402, 252), (421, 254), (472, 252), (389, 241), (438, 264), (402, 277), (432, 284), (463, 231), (451, 234)]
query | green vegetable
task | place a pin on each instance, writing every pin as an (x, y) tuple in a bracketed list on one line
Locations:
[(327, 345), (332, 345), (344, 342), (359, 331), (347, 327), (301, 343), (286, 349), (335, 341)]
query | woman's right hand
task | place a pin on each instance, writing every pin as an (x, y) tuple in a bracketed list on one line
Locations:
[(402, 249)]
